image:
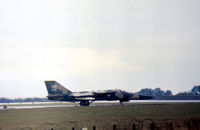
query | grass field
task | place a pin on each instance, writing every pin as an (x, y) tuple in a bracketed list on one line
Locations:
[(33, 118)]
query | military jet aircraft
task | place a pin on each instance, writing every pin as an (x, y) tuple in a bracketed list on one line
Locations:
[(57, 92)]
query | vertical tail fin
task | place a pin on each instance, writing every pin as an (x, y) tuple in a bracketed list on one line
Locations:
[(55, 88)]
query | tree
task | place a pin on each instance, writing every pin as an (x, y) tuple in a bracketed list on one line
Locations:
[(157, 92), (168, 93), (196, 90)]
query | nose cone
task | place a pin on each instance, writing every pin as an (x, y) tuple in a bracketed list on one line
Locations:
[(145, 97)]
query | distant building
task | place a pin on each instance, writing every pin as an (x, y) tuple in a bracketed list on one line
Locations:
[(185, 94)]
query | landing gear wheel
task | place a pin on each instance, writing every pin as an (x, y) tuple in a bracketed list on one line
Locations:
[(121, 102), (84, 103)]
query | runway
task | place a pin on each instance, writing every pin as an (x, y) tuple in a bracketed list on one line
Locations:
[(37, 105)]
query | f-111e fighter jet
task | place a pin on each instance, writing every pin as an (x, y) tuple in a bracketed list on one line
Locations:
[(57, 92)]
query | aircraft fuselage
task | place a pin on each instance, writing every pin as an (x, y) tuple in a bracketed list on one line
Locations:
[(59, 93)]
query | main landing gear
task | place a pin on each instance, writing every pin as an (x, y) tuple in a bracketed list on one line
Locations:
[(84, 103)]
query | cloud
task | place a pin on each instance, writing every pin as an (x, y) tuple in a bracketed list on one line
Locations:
[(60, 62)]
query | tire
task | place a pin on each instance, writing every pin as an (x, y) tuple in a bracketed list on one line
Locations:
[(84, 103)]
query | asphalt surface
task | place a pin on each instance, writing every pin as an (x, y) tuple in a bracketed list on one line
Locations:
[(94, 104)]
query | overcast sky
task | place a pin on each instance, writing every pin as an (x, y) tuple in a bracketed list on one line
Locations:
[(97, 45)]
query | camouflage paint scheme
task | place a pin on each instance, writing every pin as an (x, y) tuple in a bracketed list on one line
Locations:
[(57, 92)]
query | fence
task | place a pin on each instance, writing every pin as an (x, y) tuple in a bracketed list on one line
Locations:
[(123, 124)]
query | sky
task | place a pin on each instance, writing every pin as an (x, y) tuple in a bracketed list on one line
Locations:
[(97, 45)]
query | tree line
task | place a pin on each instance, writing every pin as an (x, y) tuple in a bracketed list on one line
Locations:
[(18, 100), (157, 92)]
